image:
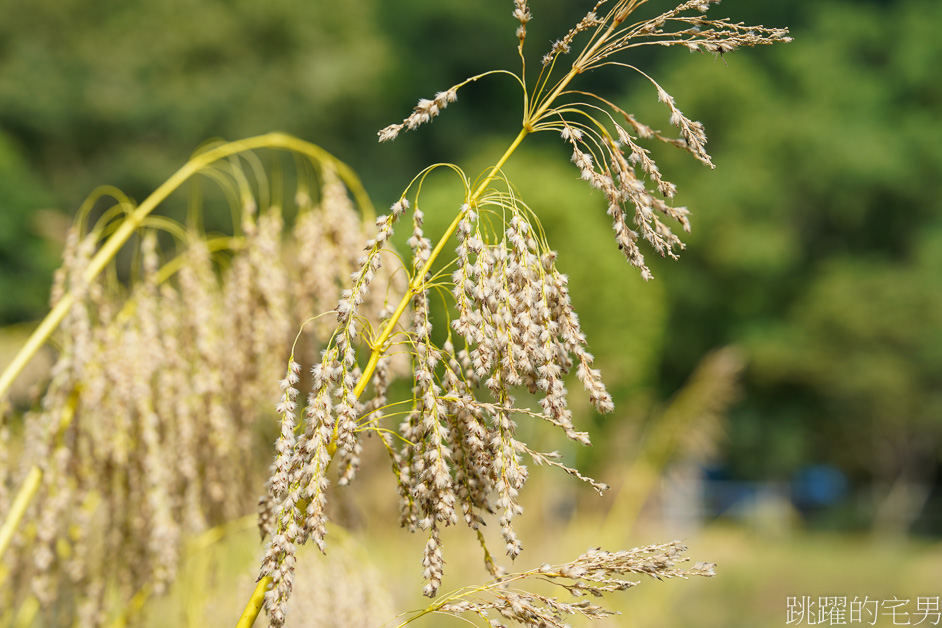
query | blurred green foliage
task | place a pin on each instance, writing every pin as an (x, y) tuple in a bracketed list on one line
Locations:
[(28, 253), (119, 93), (817, 242)]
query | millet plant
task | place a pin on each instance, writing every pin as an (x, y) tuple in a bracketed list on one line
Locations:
[(155, 412)]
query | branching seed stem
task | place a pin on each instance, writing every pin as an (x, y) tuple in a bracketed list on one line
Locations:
[(417, 285)]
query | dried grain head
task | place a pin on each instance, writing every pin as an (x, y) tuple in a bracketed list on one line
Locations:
[(152, 417), (594, 573), (607, 141)]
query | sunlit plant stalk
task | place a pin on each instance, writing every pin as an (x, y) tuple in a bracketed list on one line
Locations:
[(607, 155)]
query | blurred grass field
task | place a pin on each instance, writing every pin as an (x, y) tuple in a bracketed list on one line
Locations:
[(758, 568)]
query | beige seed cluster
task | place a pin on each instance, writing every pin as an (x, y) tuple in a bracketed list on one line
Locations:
[(564, 45), (160, 388), (423, 112), (457, 456), (294, 509), (608, 154), (594, 573), (523, 16)]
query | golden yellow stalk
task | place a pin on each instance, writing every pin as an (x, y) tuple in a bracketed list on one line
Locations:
[(31, 484)]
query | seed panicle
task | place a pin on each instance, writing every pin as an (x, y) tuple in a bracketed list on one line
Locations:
[(594, 573)]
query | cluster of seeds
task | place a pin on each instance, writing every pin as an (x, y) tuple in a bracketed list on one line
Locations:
[(424, 111), (594, 573), (608, 154), (150, 429), (518, 330), (459, 457), (293, 510), (564, 45), (523, 15)]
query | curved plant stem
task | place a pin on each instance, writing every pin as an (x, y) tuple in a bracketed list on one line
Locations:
[(107, 252), (136, 218)]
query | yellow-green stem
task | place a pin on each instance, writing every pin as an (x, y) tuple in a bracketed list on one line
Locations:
[(33, 481), (23, 499), (255, 604), (134, 220)]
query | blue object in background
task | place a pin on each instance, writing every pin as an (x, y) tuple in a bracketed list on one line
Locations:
[(818, 485)]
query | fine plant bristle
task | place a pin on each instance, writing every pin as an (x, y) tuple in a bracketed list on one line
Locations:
[(152, 414)]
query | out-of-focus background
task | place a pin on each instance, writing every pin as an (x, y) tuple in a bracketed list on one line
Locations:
[(778, 390)]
